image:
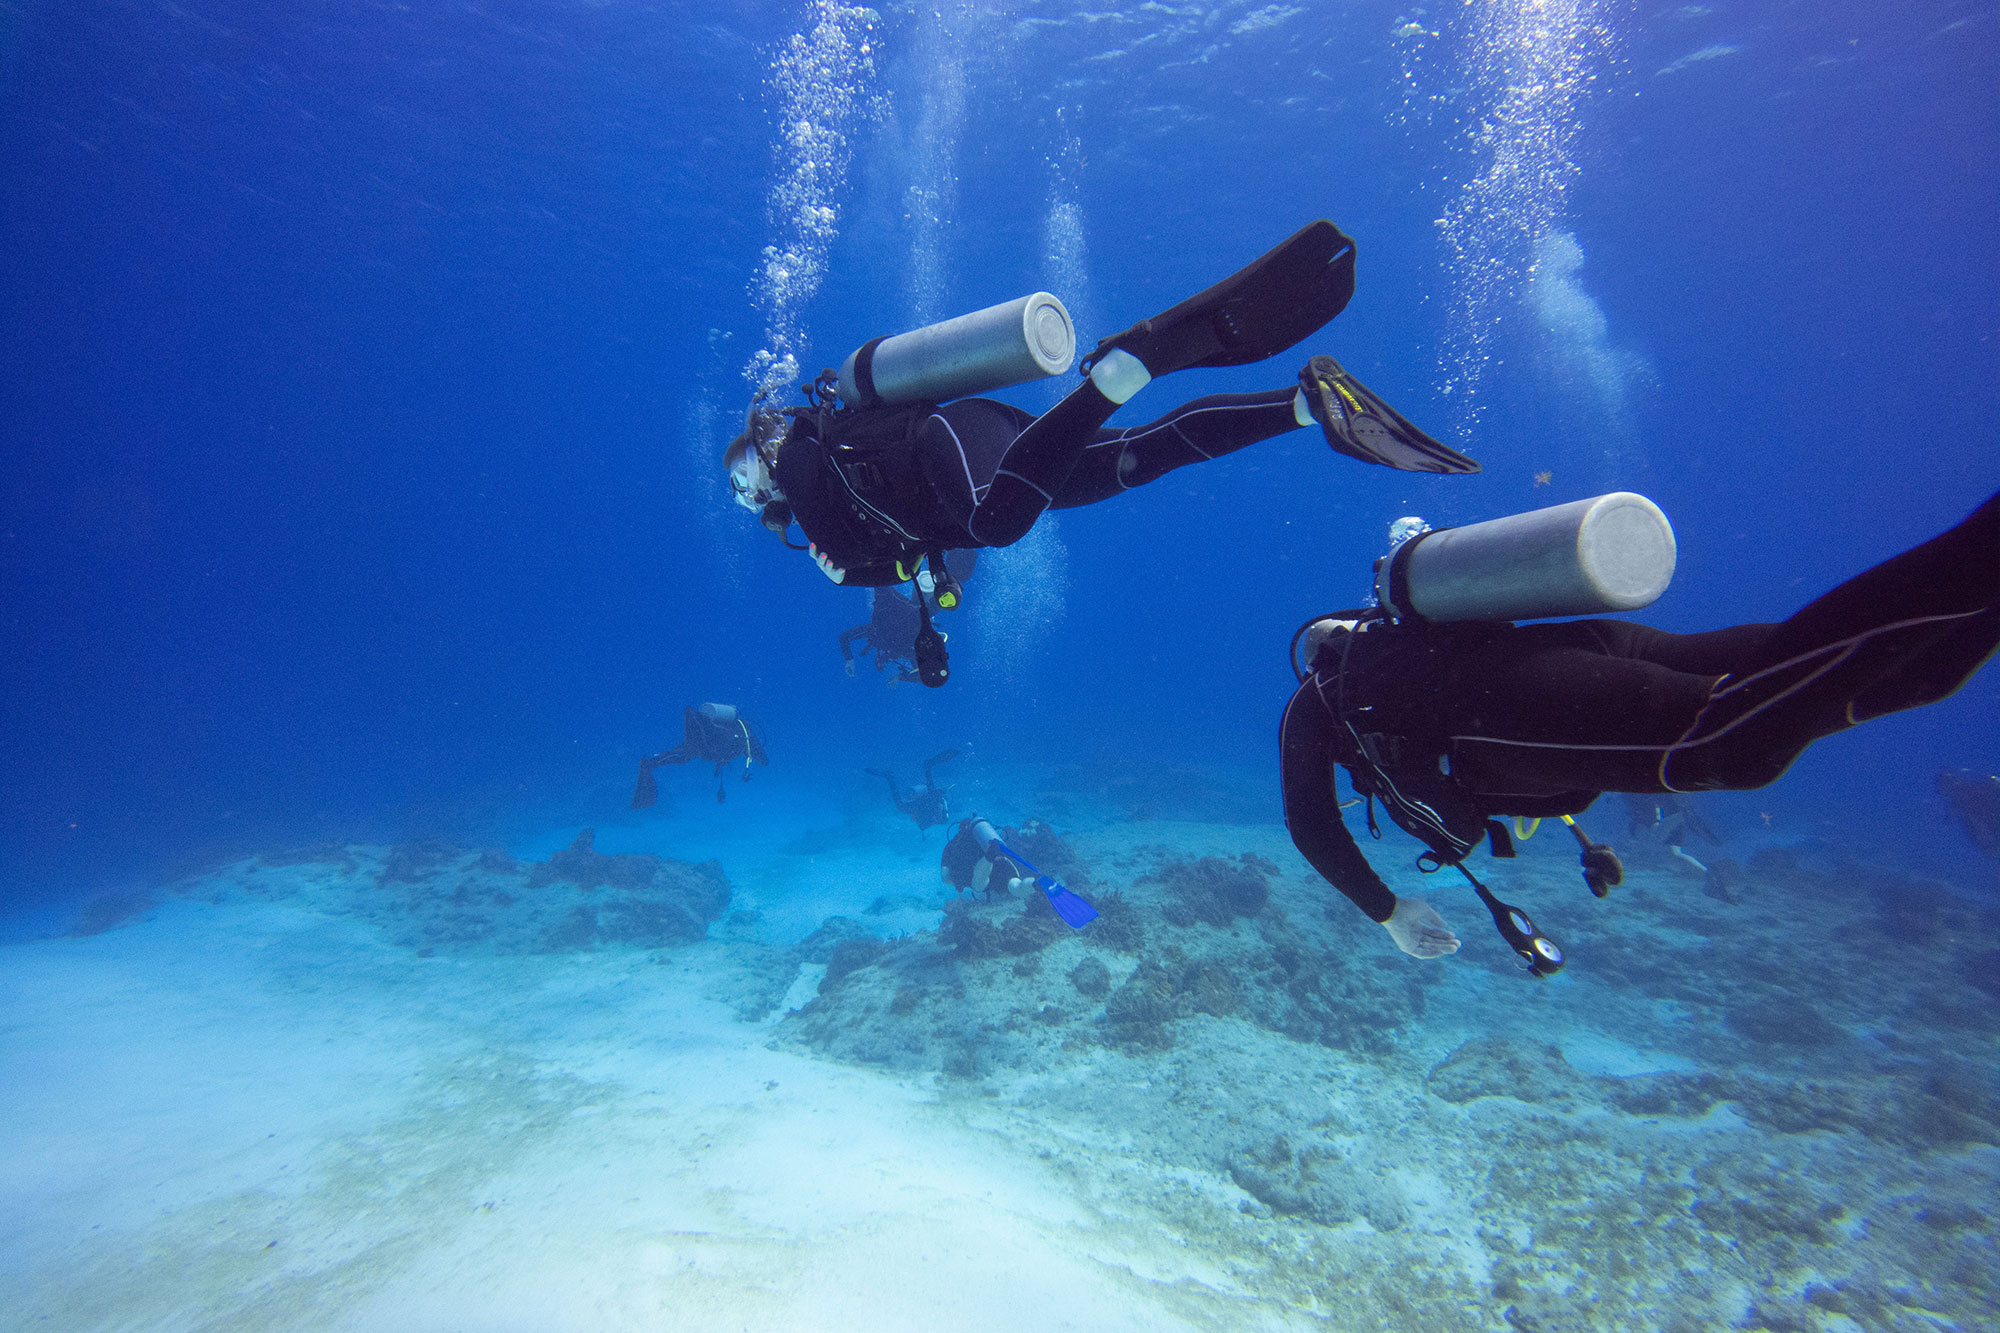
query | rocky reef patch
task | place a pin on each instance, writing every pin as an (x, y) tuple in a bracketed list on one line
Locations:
[(1771, 1110)]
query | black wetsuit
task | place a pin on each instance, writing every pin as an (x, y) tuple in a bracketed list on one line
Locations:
[(1450, 725), (928, 805), (893, 622), (710, 739), (976, 472), (890, 634), (968, 863)]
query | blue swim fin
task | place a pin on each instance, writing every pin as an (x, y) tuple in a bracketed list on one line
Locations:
[(1069, 906)]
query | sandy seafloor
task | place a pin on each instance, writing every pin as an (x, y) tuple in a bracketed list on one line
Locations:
[(429, 1087)]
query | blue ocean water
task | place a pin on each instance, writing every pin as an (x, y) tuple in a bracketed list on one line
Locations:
[(366, 369)]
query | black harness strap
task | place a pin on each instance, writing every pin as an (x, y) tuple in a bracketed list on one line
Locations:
[(864, 374)]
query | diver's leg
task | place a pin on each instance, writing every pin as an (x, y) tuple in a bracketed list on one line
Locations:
[(1956, 573), (930, 766), (1906, 633), (1572, 706), (1038, 462), (1256, 312), (645, 791), (847, 639), (1708, 653), (1118, 460), (895, 793)]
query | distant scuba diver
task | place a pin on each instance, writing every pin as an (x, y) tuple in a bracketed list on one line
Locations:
[(929, 805), (973, 859), (978, 856), (884, 485), (714, 734), (1976, 801), (895, 620), (1449, 715), (1671, 819)]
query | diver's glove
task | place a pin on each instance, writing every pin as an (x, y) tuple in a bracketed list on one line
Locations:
[(1602, 870)]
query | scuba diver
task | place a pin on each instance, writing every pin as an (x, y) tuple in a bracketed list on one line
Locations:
[(975, 858), (929, 805), (1976, 801), (980, 856), (1672, 821), (894, 622), (713, 733), (905, 468), (1449, 714)]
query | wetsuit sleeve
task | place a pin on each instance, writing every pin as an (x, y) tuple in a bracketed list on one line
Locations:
[(847, 638), (1312, 806)]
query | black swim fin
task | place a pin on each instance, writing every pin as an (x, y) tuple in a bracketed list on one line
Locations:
[(646, 791), (1361, 425), (1256, 312)]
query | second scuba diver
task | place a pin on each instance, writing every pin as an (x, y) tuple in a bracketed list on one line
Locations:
[(880, 488), (974, 859), (714, 734), (895, 622), (1451, 723), (928, 805)]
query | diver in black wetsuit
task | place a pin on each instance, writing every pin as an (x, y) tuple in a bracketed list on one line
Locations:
[(1449, 725), (979, 856), (894, 622), (973, 858), (1671, 820), (929, 805), (878, 489), (713, 733)]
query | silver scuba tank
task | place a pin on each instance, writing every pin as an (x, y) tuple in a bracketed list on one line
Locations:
[(1010, 343), (1610, 553)]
